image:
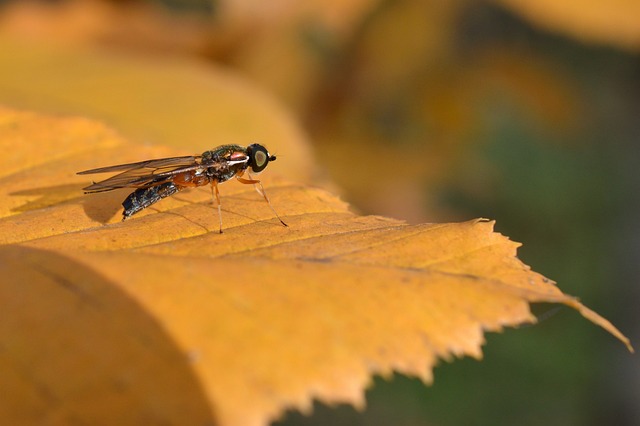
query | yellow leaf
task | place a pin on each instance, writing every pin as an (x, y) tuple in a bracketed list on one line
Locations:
[(160, 319), (615, 22), (174, 102)]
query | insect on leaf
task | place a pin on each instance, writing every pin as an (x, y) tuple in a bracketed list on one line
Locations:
[(160, 319)]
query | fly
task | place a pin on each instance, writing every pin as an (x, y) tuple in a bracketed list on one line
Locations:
[(157, 179)]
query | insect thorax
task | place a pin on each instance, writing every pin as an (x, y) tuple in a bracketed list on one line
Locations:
[(225, 162)]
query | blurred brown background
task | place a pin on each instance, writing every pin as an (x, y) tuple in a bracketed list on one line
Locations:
[(526, 112)]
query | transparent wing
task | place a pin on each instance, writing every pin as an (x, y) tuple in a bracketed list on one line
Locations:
[(152, 164), (142, 174)]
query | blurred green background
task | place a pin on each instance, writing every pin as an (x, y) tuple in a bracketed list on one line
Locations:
[(434, 111)]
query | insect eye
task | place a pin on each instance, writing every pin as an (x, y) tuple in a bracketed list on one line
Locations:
[(259, 158)]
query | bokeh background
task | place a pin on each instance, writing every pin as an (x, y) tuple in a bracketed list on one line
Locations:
[(522, 111)]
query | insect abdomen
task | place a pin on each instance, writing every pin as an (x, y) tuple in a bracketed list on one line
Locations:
[(144, 197)]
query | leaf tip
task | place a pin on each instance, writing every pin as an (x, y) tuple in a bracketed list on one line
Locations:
[(601, 321)]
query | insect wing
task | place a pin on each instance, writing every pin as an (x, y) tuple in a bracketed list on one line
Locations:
[(142, 174), (149, 164)]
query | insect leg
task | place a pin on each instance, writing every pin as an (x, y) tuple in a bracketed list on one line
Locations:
[(215, 194), (258, 186), (143, 197)]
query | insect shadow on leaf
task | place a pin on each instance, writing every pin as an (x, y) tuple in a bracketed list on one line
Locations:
[(46, 196)]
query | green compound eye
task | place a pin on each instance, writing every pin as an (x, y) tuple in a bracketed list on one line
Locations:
[(259, 157)]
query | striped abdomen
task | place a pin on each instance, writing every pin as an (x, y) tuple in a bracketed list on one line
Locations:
[(144, 197)]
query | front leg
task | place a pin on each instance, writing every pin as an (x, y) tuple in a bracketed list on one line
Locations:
[(258, 186)]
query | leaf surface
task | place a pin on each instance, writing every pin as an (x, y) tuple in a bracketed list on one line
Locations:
[(165, 318), (613, 22), (172, 101)]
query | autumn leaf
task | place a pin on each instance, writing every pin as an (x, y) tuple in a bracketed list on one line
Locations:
[(161, 319), (613, 22), (175, 102)]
